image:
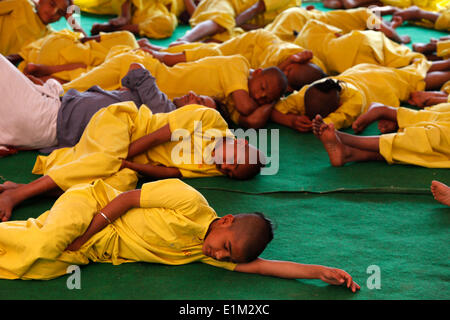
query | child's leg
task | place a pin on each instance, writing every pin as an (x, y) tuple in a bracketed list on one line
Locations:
[(204, 29), (339, 151), (441, 192), (435, 80), (10, 198), (414, 13), (375, 112), (425, 48)]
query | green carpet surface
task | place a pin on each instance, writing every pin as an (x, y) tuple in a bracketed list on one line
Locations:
[(354, 217)]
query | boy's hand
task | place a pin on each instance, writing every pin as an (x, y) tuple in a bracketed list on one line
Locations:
[(301, 57), (301, 123), (338, 277)]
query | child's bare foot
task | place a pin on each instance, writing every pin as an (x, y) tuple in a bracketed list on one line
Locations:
[(387, 126), (405, 39), (424, 47), (6, 205), (7, 185), (374, 113), (331, 142), (144, 43), (441, 192)]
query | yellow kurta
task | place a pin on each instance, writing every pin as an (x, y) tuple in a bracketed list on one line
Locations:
[(294, 19), (98, 155), (423, 138), (224, 12), (154, 18), (168, 228), (260, 47), (340, 53), (19, 25), (222, 74), (443, 49), (429, 5), (443, 22), (64, 47), (361, 85)]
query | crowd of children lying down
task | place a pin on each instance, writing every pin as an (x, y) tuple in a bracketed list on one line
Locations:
[(102, 107)]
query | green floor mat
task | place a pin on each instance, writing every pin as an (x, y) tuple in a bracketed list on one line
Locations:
[(405, 236)]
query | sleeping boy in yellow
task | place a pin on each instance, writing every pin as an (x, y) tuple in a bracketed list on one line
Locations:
[(122, 141), (166, 222)]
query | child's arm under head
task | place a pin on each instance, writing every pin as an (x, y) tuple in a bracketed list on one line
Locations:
[(152, 171), (293, 270), (244, 104), (116, 208)]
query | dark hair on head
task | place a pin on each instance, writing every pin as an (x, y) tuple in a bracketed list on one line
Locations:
[(328, 85), (322, 98), (257, 231), (282, 81)]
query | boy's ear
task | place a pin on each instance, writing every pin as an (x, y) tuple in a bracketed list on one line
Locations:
[(227, 220)]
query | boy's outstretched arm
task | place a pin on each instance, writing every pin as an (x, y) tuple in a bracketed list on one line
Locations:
[(116, 208), (293, 270)]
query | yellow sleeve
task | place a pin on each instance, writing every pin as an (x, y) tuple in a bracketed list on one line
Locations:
[(204, 50), (171, 194), (407, 117), (294, 103), (443, 22), (220, 11), (352, 105), (220, 264), (274, 5), (443, 49), (7, 6), (194, 118)]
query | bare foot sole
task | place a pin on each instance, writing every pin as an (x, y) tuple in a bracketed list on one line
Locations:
[(331, 142), (441, 192)]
